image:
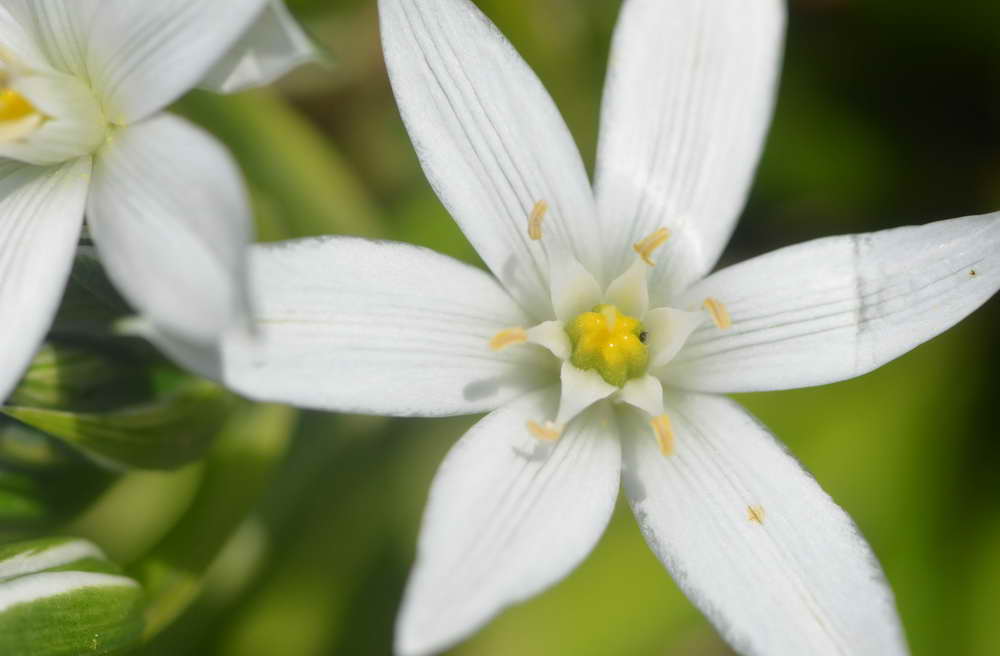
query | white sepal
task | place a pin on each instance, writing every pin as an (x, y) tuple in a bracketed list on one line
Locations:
[(629, 292), (502, 525), (839, 307), (752, 539), (41, 211), (171, 220), (490, 140), (644, 393), (379, 328), (273, 46), (668, 330), (687, 102)]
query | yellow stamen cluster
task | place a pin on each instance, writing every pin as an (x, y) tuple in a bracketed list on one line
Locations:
[(610, 343), (14, 106)]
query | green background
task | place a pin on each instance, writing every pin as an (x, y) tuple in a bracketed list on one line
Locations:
[(889, 114)]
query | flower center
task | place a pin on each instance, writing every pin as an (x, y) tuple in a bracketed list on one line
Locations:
[(14, 106), (609, 342)]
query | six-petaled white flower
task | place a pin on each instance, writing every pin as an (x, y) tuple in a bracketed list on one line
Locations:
[(600, 344), (82, 83)]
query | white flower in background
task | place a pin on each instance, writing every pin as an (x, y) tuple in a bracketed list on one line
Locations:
[(82, 83), (600, 345)]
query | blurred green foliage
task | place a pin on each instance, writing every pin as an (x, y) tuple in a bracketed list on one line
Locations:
[(889, 114)]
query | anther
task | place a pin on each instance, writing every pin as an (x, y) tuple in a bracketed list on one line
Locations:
[(755, 514), (719, 314), (505, 338), (648, 245), (535, 220), (548, 432), (664, 434)]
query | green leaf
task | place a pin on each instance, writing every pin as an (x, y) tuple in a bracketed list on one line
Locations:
[(288, 162), (240, 465), (75, 377), (165, 434), (63, 597), (90, 304)]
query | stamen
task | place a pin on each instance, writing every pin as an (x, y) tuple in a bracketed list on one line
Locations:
[(756, 514), (649, 244), (610, 314), (536, 218), (505, 338), (664, 434), (719, 314), (548, 432)]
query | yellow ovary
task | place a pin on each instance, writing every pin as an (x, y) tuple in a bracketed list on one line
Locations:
[(14, 106), (610, 343)]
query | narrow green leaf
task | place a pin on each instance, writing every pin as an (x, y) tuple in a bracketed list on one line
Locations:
[(238, 468), (63, 597), (165, 434), (308, 183), (75, 377)]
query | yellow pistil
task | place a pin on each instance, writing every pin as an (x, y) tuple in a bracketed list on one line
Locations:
[(610, 343), (536, 218), (719, 314), (547, 432), (505, 338), (664, 434), (14, 106), (650, 243)]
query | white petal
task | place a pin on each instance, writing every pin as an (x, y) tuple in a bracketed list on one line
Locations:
[(141, 55), (645, 393), (753, 540), (687, 102), (574, 289), (580, 390), (273, 46), (629, 292), (20, 41), (839, 307), (551, 335), (172, 223), (501, 526), (41, 211), (668, 330), (67, 125), (490, 139), (379, 328), (203, 359)]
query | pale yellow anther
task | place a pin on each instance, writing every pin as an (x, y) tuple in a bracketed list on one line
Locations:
[(755, 514), (535, 220), (648, 245), (720, 315), (505, 338), (547, 432), (664, 434)]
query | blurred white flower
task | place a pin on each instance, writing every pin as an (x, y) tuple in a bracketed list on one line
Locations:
[(82, 83), (600, 345)]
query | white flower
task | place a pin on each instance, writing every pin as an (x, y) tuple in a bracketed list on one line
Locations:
[(82, 83), (385, 328)]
